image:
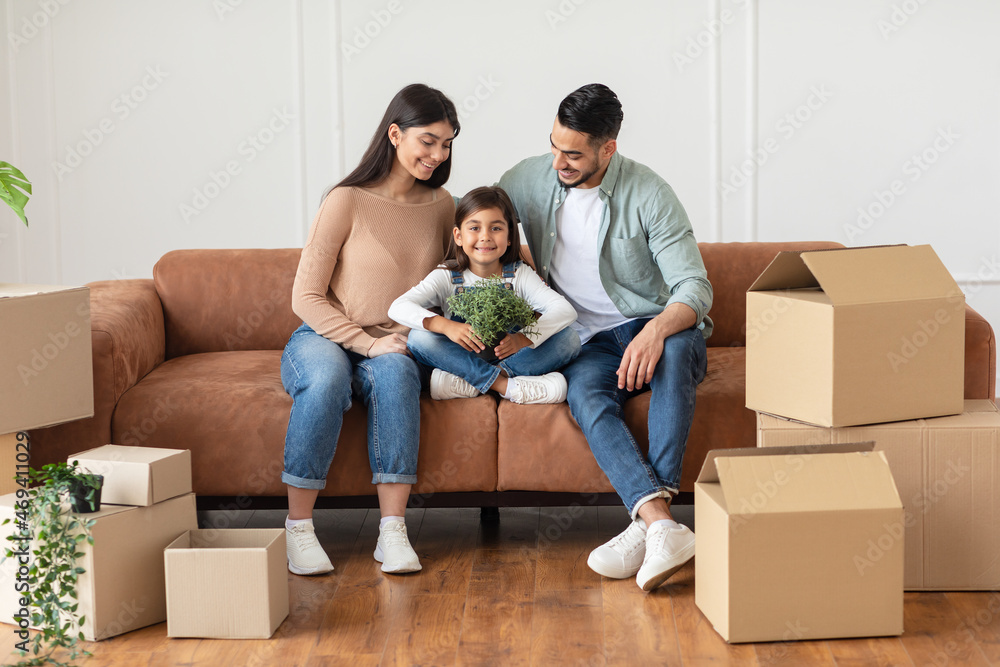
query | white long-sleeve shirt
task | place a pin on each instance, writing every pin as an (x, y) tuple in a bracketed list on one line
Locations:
[(411, 309)]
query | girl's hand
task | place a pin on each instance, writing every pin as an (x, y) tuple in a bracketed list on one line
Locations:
[(510, 344), (462, 333), (386, 344)]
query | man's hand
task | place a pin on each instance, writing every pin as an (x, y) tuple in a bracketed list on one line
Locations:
[(386, 344), (510, 344), (641, 357)]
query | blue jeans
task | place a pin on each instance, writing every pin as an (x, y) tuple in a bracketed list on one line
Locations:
[(597, 405), (437, 350), (322, 377)]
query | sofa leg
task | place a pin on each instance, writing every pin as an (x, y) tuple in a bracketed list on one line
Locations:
[(489, 514)]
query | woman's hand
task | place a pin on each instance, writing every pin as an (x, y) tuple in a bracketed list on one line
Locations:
[(510, 344), (386, 344)]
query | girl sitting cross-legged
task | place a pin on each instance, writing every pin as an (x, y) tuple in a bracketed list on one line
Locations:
[(486, 244)]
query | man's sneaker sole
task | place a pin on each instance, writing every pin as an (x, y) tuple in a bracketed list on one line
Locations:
[(380, 557), (657, 579), (306, 573)]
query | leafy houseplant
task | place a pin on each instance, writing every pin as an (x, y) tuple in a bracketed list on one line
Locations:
[(14, 189), (53, 533), (493, 311)]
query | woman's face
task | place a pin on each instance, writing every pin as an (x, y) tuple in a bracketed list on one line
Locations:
[(420, 150)]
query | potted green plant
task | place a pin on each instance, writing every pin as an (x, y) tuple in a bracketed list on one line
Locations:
[(52, 532), (493, 311), (14, 189)]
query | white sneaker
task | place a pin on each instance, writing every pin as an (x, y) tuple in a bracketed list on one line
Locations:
[(537, 389), (393, 549), (305, 555), (444, 385), (667, 549), (622, 556)]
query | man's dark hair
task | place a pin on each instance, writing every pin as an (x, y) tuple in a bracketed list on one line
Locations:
[(593, 109)]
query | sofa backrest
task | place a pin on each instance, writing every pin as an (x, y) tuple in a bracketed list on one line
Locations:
[(219, 300), (732, 268)]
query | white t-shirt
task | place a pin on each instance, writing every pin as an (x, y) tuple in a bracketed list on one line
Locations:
[(574, 269), (411, 308)]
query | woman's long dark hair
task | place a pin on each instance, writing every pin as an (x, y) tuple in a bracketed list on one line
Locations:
[(488, 196), (416, 105)]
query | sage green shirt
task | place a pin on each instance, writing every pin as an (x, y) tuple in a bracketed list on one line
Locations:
[(649, 258)]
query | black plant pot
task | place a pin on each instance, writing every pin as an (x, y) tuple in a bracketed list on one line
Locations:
[(488, 355), (78, 497)]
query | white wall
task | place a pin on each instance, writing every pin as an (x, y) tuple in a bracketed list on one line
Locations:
[(772, 119)]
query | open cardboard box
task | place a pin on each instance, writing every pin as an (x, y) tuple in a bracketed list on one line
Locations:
[(138, 476), (947, 471), (794, 544), (856, 336)]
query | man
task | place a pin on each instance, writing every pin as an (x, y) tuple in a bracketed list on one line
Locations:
[(611, 236)]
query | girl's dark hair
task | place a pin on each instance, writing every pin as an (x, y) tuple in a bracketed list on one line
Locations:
[(416, 105), (593, 109), (473, 202)]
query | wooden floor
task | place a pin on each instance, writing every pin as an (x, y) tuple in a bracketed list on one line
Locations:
[(519, 592)]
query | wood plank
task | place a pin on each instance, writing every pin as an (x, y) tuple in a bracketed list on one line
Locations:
[(445, 544), (793, 654), (698, 642), (496, 626), (356, 660), (930, 622), (359, 618), (517, 530), (566, 536), (426, 631), (567, 628), (638, 626), (869, 651), (980, 623)]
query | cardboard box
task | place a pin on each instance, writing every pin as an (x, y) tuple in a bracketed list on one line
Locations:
[(785, 544), (227, 584), (947, 471), (46, 372), (123, 588), (856, 336), (138, 475)]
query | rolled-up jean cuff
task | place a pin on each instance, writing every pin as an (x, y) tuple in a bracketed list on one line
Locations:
[(384, 478), (667, 493), (302, 482)]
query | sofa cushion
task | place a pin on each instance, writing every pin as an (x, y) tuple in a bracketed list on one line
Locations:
[(541, 447), (231, 411), (226, 300)]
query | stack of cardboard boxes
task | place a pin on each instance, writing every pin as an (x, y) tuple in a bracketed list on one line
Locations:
[(848, 346), (149, 563)]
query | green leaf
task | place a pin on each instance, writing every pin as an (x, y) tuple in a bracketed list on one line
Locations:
[(14, 189)]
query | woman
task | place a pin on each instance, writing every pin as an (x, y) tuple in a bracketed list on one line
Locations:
[(377, 233)]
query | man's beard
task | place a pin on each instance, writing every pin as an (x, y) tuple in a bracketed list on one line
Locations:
[(584, 177)]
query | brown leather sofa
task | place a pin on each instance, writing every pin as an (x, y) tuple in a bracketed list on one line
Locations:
[(190, 359)]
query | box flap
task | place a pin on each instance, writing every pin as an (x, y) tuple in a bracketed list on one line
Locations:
[(786, 271), (879, 274), (807, 483), (709, 470)]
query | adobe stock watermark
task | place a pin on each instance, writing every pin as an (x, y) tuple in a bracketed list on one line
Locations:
[(561, 13), (32, 25), (787, 127), (913, 169), (121, 107), (363, 35), (223, 8), (969, 632), (59, 340), (248, 149), (484, 89), (919, 505), (899, 16)]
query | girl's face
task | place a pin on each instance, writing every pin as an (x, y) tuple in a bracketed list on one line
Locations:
[(483, 236), (420, 150)]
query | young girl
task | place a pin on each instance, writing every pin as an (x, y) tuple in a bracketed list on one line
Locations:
[(485, 243)]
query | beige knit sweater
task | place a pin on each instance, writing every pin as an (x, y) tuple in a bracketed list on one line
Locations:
[(363, 251)]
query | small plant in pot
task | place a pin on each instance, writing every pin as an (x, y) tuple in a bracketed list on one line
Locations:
[(49, 533), (493, 311)]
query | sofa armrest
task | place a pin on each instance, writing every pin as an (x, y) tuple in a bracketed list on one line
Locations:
[(980, 357), (126, 322)]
